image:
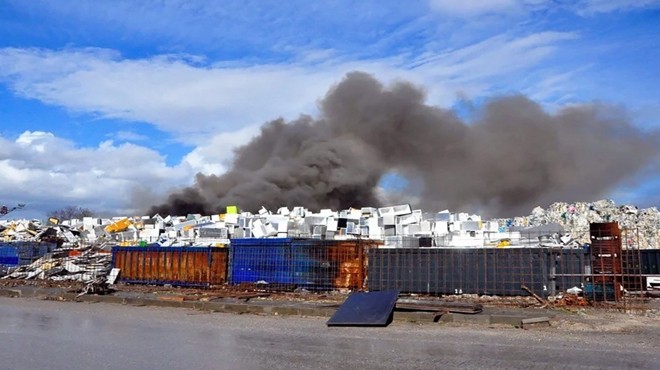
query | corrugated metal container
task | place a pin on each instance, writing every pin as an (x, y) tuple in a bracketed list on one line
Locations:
[(605, 249), (637, 265), (632, 279), (492, 271), (606, 255), (309, 263), (181, 266), (568, 267), (650, 261)]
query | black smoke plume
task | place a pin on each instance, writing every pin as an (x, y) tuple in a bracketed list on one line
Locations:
[(513, 157)]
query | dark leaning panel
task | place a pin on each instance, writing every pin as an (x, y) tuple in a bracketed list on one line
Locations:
[(366, 309)]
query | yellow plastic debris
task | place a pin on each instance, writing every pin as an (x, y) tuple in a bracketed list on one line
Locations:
[(232, 210), (118, 226), (48, 265), (503, 243)]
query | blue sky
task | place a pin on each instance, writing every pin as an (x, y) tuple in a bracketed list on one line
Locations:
[(110, 104)]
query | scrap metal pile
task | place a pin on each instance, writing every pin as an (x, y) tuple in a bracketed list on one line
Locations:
[(642, 226), (396, 226), (53, 251), (62, 266), (81, 247)]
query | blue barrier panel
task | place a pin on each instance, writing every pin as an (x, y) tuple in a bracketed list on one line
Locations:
[(329, 264), (306, 263), (9, 261), (261, 260), (23, 253)]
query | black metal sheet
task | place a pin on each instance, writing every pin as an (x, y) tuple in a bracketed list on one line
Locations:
[(365, 309)]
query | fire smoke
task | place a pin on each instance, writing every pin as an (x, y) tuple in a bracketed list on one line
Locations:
[(513, 157)]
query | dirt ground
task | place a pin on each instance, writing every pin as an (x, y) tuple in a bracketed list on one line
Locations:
[(638, 315)]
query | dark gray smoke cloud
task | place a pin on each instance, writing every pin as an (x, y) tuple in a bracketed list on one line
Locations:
[(514, 157)]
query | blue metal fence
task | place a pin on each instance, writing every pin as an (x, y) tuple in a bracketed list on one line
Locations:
[(14, 254), (261, 260), (309, 263)]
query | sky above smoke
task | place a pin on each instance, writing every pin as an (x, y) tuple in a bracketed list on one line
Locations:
[(511, 157)]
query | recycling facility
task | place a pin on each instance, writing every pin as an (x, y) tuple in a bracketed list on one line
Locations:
[(601, 250)]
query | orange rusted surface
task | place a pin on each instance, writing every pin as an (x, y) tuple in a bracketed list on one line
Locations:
[(173, 265)]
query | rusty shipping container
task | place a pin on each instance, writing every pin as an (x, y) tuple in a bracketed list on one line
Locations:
[(180, 266), (606, 262)]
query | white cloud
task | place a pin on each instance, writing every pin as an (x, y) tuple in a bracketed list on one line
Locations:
[(214, 157), (490, 66), (216, 107), (480, 8), (496, 56), (559, 89), (484, 7), (41, 167), (192, 101), (174, 94), (129, 136), (35, 140), (591, 7)]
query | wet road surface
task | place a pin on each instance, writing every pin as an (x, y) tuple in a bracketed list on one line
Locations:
[(62, 335)]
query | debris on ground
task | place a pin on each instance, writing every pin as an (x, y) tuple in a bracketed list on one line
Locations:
[(97, 286), (570, 300), (534, 295)]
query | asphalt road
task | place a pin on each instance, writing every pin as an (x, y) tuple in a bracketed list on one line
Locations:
[(61, 335)]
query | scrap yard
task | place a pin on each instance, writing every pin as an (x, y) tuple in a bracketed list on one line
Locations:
[(570, 255), (430, 184)]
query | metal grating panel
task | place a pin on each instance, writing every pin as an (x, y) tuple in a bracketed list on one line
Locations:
[(460, 271)]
